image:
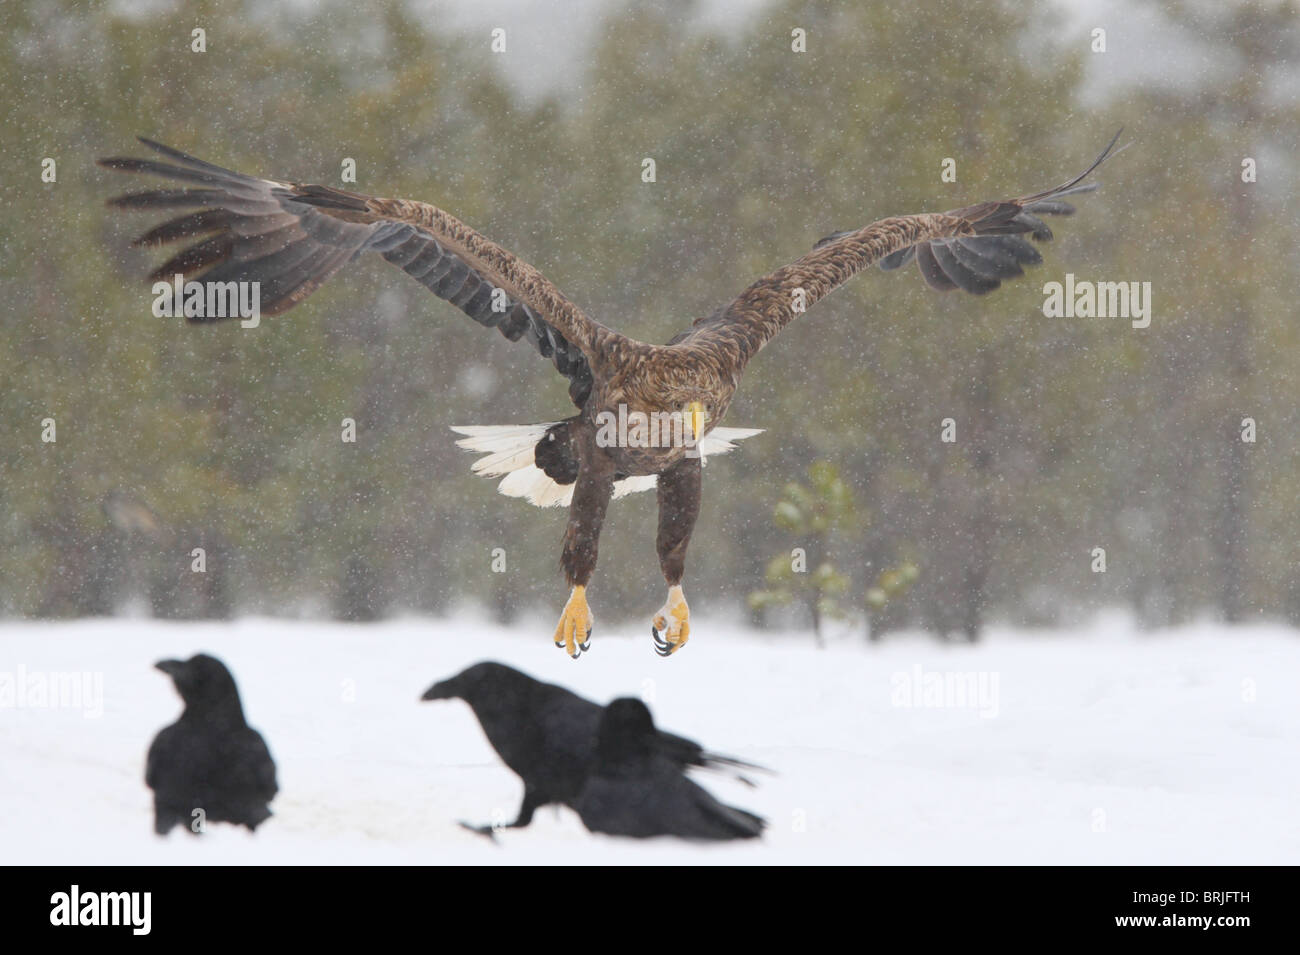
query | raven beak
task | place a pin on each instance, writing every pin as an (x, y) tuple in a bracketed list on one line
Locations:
[(440, 691), (695, 411), (170, 667)]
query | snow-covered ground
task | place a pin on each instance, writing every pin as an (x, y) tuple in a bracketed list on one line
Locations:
[(1093, 746)]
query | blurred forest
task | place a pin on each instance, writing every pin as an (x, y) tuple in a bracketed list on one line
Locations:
[(1071, 433)]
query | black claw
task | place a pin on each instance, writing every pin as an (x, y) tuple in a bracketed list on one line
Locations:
[(559, 643), (663, 646), (488, 831)]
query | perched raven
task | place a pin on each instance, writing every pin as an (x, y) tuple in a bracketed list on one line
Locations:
[(547, 734), (210, 759), (633, 790)]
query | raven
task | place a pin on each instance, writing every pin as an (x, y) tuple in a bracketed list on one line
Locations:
[(209, 760), (633, 790), (547, 735)]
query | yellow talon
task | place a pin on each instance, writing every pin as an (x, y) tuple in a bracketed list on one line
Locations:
[(671, 626), (574, 630)]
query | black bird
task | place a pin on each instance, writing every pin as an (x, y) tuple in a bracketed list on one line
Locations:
[(210, 759), (547, 734), (632, 790)]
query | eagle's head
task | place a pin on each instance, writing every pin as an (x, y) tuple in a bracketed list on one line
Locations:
[(696, 409)]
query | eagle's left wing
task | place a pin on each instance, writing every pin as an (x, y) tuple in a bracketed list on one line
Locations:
[(290, 237), (972, 249)]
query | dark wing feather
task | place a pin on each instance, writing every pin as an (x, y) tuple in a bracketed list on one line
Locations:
[(990, 249), (965, 276), (896, 260), (686, 752), (292, 237), (974, 249), (931, 270)]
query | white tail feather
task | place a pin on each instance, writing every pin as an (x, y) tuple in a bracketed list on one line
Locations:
[(509, 451)]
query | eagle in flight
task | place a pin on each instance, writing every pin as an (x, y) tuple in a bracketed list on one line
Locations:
[(648, 415)]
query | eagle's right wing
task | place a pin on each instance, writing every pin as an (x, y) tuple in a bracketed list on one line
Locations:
[(973, 248), (291, 237)]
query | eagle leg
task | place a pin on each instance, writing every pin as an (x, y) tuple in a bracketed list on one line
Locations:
[(591, 493), (679, 505), (573, 632), (671, 626)]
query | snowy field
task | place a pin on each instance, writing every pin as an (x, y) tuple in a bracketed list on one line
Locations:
[(1094, 746)]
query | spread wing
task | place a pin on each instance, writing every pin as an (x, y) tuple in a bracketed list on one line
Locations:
[(291, 237), (972, 249)]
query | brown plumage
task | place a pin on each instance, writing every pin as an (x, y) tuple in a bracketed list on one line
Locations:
[(291, 237)]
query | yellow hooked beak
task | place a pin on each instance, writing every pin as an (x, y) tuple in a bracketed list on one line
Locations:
[(696, 417)]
